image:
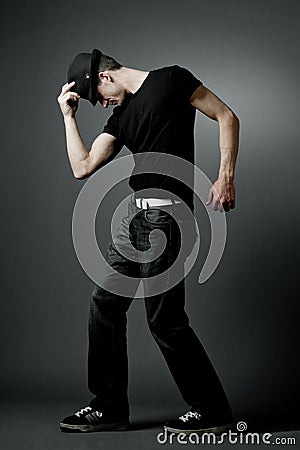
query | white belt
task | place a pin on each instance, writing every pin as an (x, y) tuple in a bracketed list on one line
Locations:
[(146, 203)]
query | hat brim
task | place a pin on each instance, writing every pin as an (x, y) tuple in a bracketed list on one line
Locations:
[(95, 60)]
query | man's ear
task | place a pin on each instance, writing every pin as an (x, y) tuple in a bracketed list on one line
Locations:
[(104, 76)]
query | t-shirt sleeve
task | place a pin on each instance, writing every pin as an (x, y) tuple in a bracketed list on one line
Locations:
[(112, 124), (184, 82)]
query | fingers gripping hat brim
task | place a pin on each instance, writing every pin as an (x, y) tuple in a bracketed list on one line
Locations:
[(84, 71)]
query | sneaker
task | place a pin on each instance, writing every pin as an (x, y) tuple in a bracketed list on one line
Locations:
[(89, 419), (194, 422)]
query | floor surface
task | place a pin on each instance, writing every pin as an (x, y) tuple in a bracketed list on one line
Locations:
[(34, 426)]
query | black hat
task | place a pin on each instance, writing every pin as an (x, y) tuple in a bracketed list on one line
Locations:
[(84, 71)]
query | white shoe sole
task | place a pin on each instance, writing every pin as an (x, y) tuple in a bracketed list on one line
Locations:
[(118, 426), (215, 430)]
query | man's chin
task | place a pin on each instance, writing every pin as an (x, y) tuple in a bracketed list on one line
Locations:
[(124, 99)]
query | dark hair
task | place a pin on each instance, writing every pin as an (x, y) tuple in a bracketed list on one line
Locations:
[(108, 63)]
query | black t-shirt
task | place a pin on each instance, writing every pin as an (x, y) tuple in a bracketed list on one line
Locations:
[(158, 118)]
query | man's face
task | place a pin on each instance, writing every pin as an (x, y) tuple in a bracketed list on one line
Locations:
[(110, 92)]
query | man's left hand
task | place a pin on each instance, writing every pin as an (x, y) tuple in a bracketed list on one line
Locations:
[(222, 195)]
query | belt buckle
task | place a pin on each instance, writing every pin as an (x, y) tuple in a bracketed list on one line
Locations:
[(145, 204), (142, 203)]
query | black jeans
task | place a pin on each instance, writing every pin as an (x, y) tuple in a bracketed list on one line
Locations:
[(168, 322)]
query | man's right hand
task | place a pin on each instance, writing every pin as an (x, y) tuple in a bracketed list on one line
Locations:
[(68, 100)]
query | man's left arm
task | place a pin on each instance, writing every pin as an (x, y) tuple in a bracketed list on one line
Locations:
[(222, 194)]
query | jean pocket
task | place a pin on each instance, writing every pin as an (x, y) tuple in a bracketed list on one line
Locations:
[(158, 217)]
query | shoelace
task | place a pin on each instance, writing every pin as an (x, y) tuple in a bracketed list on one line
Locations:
[(83, 410), (95, 414), (189, 415)]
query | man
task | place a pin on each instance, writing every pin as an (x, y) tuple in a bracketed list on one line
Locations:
[(155, 112)]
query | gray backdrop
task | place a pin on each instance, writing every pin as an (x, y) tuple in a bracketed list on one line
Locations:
[(247, 314)]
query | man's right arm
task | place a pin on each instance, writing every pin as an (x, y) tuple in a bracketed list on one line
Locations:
[(82, 161)]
